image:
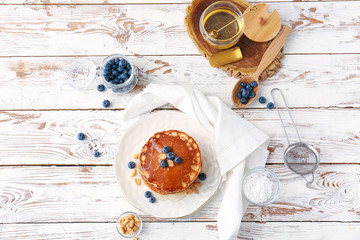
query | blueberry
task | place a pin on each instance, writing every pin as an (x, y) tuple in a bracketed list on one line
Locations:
[(131, 165), (120, 69), (96, 154), (252, 94), (116, 81), (178, 160), (202, 176), (106, 103), (248, 87), (128, 66), (81, 136), (125, 71), (243, 84), (111, 62), (124, 76), (262, 100), (239, 95), (112, 77), (123, 63), (166, 149), (115, 73), (243, 100), (253, 84), (130, 71), (107, 66), (242, 91), (107, 71), (121, 81), (245, 93), (116, 61), (170, 155), (100, 87), (147, 194), (163, 164), (115, 66), (107, 78), (152, 199), (270, 105)]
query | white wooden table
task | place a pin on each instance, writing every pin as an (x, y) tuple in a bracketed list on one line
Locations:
[(51, 187)]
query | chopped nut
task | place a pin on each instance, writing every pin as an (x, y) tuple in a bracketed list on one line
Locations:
[(131, 223), (136, 219), (133, 172), (135, 228), (120, 221), (123, 229), (197, 184), (136, 156), (170, 163), (188, 191), (131, 216), (134, 238), (195, 190), (130, 231), (162, 156), (137, 181), (126, 221), (137, 224)]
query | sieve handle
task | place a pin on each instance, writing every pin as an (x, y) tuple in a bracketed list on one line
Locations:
[(287, 109), (312, 178)]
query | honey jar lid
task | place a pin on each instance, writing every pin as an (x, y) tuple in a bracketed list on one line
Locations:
[(260, 25)]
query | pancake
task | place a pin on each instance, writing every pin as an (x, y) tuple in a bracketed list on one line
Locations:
[(173, 179)]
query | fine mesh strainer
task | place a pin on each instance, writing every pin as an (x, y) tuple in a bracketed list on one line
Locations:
[(299, 157)]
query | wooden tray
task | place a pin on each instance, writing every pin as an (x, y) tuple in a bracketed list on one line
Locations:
[(252, 51)]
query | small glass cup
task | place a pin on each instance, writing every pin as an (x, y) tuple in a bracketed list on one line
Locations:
[(82, 73), (135, 233), (275, 188), (218, 7)]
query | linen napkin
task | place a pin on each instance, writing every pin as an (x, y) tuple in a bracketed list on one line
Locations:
[(239, 144)]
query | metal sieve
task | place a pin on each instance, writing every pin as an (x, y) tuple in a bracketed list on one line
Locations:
[(301, 158)]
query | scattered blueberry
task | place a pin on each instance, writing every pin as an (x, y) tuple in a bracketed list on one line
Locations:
[(106, 103), (178, 160), (252, 94), (243, 84), (131, 164), (253, 84), (243, 100), (81, 136), (163, 164), (100, 87), (96, 154), (152, 199), (170, 155), (270, 105), (248, 87), (166, 149), (202, 176), (262, 100), (147, 194)]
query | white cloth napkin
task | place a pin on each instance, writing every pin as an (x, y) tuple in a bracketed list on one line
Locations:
[(239, 144)]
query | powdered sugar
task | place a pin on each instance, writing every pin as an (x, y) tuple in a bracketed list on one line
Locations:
[(259, 186)]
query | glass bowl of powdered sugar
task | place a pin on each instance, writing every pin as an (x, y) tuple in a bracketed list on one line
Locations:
[(260, 186)]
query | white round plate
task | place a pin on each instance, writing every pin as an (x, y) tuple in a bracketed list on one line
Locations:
[(132, 142)]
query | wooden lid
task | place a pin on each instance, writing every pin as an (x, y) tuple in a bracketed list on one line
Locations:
[(260, 25)]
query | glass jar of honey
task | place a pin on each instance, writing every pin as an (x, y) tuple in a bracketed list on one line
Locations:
[(218, 16)]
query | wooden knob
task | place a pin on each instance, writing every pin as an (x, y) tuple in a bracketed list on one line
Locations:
[(261, 20)]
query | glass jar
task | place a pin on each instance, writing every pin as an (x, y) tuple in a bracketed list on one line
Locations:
[(83, 72), (218, 15), (128, 235)]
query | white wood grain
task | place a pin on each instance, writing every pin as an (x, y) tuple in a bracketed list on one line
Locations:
[(182, 231), (90, 194), (33, 30), (49, 137), (309, 80)]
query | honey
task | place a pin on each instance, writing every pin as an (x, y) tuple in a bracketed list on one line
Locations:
[(218, 19)]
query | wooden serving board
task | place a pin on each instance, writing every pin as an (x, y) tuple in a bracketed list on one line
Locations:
[(252, 51)]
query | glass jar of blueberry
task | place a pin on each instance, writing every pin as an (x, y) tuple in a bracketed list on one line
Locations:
[(118, 73)]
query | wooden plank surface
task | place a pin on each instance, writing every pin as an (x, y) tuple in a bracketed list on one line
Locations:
[(49, 137), (177, 231), (40, 82), (48, 30), (91, 194)]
